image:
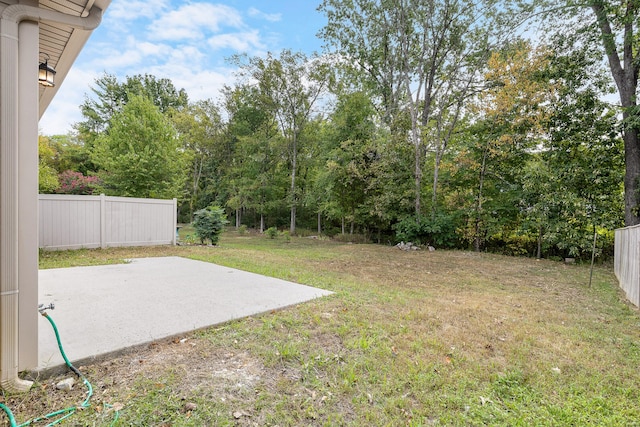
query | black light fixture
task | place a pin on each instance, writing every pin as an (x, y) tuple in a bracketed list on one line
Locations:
[(46, 73)]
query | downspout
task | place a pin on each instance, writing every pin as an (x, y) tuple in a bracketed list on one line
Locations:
[(9, 22)]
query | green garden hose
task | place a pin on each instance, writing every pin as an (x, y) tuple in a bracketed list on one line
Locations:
[(67, 412), (12, 419)]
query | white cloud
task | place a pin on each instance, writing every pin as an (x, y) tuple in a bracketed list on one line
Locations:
[(184, 57), (271, 17), (130, 10), (193, 21), (152, 49), (130, 56), (241, 42), (120, 60), (199, 83)]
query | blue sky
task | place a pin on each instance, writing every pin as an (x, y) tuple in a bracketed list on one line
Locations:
[(185, 41)]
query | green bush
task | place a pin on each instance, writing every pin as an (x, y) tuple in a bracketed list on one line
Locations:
[(271, 232), (209, 223), (439, 232)]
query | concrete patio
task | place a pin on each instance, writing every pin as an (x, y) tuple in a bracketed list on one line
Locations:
[(104, 310)]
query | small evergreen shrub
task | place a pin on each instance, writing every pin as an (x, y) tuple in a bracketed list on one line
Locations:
[(209, 223), (271, 232)]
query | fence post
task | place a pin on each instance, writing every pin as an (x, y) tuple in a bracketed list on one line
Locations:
[(175, 221), (103, 221)]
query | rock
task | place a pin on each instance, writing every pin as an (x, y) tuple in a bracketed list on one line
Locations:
[(190, 406), (431, 249), (407, 246), (66, 384)]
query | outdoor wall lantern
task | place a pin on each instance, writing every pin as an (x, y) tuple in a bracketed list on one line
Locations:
[(46, 73)]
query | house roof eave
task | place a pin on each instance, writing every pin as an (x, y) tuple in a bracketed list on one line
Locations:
[(64, 44)]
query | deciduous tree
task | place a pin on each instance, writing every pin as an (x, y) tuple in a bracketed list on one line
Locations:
[(47, 174), (420, 59), (289, 86), (141, 155), (614, 25), (200, 129), (110, 96)]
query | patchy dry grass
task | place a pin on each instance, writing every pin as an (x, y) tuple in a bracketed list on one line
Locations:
[(409, 338)]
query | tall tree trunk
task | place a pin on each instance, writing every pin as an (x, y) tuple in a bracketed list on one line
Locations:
[(294, 165), (262, 203), (632, 175), (436, 176), (418, 178), (476, 240), (292, 226), (319, 223), (238, 218), (625, 74), (197, 173), (353, 220), (539, 251), (627, 88), (441, 147)]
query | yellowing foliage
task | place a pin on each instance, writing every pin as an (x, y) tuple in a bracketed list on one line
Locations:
[(518, 95)]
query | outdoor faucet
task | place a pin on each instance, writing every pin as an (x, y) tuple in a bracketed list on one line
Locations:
[(42, 307)]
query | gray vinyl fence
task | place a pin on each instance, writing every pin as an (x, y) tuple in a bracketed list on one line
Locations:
[(627, 261), (73, 222)]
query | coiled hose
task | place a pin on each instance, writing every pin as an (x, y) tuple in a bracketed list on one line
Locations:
[(63, 413)]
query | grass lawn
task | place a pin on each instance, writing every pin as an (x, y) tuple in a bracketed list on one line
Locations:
[(409, 338)]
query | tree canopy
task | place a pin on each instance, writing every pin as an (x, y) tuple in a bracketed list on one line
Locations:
[(523, 154), (140, 156)]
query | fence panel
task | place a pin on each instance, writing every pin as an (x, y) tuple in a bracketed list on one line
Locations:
[(73, 222), (627, 261)]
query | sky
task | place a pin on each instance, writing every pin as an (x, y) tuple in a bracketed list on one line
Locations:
[(184, 41)]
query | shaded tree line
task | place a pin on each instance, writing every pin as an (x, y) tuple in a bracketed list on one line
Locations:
[(422, 122)]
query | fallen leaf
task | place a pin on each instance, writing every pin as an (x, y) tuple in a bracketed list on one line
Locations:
[(239, 414), (116, 407)]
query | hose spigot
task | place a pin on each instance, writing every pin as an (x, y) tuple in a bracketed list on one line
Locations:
[(42, 307)]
